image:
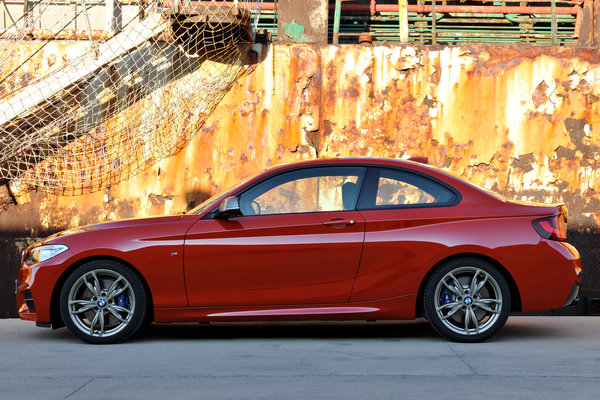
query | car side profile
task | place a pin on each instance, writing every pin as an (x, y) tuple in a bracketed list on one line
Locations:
[(328, 239)]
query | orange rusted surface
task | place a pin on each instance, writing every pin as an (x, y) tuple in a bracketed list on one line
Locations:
[(56, 34), (33, 59), (520, 120)]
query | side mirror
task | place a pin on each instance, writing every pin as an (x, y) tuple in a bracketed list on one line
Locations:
[(229, 208)]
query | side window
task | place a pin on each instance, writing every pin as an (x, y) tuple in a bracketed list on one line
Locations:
[(396, 188), (308, 190)]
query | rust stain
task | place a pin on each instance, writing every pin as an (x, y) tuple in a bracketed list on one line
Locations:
[(49, 57), (302, 21), (56, 34), (539, 96)]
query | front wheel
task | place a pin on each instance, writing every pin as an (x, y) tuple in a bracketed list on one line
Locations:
[(103, 301), (467, 300)]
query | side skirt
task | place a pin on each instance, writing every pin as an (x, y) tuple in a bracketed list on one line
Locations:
[(402, 307)]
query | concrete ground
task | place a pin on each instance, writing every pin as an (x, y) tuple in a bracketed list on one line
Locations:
[(532, 358)]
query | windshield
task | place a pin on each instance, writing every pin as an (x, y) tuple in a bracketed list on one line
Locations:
[(214, 200)]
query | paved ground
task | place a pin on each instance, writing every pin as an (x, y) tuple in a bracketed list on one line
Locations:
[(532, 358)]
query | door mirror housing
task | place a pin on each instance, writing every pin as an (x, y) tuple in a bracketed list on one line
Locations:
[(229, 208)]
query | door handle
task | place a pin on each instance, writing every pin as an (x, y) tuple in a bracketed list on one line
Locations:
[(339, 222)]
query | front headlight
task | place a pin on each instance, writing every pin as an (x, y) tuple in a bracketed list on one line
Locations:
[(44, 252)]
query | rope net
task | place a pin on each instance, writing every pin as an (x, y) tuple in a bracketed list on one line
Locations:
[(131, 97)]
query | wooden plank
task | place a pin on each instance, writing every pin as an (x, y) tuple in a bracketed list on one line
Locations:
[(51, 85)]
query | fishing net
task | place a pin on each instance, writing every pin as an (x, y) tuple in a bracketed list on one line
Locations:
[(133, 96)]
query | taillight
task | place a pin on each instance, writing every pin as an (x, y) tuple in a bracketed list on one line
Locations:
[(554, 228)]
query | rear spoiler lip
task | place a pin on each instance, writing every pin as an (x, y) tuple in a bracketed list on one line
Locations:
[(562, 210), (539, 209)]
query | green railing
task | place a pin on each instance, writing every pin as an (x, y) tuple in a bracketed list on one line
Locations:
[(540, 22)]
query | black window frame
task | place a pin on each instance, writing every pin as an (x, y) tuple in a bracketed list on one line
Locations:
[(368, 194)]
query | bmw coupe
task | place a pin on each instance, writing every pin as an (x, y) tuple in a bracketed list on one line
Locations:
[(334, 239)]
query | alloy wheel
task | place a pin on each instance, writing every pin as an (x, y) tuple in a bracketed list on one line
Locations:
[(101, 302), (468, 300)]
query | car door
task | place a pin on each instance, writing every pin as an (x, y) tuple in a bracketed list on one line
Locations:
[(298, 242), (406, 213)]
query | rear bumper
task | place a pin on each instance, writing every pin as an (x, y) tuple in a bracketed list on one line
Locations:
[(573, 296), (547, 275)]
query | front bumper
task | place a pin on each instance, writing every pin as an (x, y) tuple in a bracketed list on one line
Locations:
[(35, 286), (25, 302)]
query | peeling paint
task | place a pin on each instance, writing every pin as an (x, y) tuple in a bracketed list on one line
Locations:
[(295, 32)]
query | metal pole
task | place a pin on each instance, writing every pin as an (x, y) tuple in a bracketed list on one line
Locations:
[(433, 24), (110, 17), (89, 26), (257, 17), (336, 21), (554, 28), (403, 20), (26, 12)]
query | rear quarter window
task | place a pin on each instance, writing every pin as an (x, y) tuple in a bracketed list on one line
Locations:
[(389, 188)]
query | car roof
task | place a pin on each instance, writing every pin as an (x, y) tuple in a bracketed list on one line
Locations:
[(459, 183), (366, 161)]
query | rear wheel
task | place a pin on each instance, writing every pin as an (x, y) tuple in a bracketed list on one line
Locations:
[(103, 301), (467, 300)]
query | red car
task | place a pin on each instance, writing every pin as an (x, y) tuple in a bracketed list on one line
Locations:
[(337, 239)]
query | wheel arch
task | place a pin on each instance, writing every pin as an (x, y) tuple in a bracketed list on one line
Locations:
[(55, 317), (514, 290)]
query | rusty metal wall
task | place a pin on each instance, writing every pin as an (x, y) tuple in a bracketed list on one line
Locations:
[(523, 121), (302, 21)]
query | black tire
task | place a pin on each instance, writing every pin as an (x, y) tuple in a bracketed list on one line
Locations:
[(103, 302), (467, 300)]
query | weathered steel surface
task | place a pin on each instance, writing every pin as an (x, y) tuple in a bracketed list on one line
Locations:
[(301, 21), (520, 120), (57, 34), (43, 90), (46, 59), (584, 24)]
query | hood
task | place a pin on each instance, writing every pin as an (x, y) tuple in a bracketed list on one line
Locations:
[(115, 224), (135, 222)]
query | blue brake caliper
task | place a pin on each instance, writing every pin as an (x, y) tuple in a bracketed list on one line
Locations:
[(446, 297), (122, 299)]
